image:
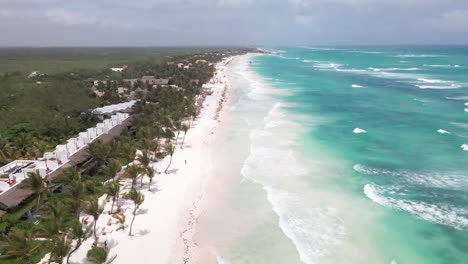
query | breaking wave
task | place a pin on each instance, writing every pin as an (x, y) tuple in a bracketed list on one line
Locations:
[(454, 181), (435, 213)]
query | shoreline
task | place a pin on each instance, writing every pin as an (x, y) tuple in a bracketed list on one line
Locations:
[(165, 225), (195, 247)]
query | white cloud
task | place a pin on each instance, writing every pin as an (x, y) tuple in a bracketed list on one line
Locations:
[(63, 16), (304, 20), (452, 21), (6, 12), (376, 3), (235, 2)]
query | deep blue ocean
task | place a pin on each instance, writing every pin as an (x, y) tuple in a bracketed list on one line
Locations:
[(359, 153)]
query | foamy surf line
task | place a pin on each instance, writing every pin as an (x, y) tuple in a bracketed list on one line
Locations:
[(435, 213), (312, 231), (447, 180)]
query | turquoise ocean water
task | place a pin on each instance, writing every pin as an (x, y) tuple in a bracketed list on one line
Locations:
[(346, 155)]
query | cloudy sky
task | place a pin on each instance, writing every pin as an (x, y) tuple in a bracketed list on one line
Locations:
[(231, 22)]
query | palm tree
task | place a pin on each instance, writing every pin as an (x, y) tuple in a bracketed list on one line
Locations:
[(18, 244), (92, 208), (4, 146), (68, 175), (61, 245), (42, 146), (113, 189), (150, 172), (138, 198), (99, 151), (37, 185), (144, 159), (111, 168), (170, 151), (76, 194), (178, 127), (78, 233), (54, 220), (22, 142), (132, 172), (185, 128), (99, 255), (127, 151)]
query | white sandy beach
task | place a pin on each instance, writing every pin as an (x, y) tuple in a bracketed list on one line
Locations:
[(165, 223)]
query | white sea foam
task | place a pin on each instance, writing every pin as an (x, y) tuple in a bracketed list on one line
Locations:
[(466, 109), (364, 52), (435, 213), (318, 48), (424, 80), (393, 69), (417, 55), (358, 130), (458, 98), (313, 230), (221, 260), (356, 86), (441, 131), (442, 65), (448, 180), (464, 147), (451, 86), (436, 84), (328, 65)]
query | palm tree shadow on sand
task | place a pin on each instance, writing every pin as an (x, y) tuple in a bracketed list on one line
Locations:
[(142, 232), (172, 171)]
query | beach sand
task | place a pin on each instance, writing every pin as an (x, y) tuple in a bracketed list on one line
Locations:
[(165, 225)]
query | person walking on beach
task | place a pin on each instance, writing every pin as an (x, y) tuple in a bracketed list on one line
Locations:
[(185, 162), (105, 244)]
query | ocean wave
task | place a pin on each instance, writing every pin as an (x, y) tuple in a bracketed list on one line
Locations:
[(394, 69), (436, 84), (312, 230), (421, 100), (441, 131), (356, 86), (449, 180), (392, 73), (461, 125), (329, 65), (457, 98), (358, 130), (364, 52), (442, 214), (417, 55), (318, 48), (451, 86), (442, 65), (425, 80)]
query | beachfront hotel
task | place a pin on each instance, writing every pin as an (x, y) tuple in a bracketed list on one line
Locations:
[(14, 196)]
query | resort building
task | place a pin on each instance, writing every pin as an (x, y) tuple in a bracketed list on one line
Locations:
[(14, 194), (147, 79), (34, 74), (119, 69)]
